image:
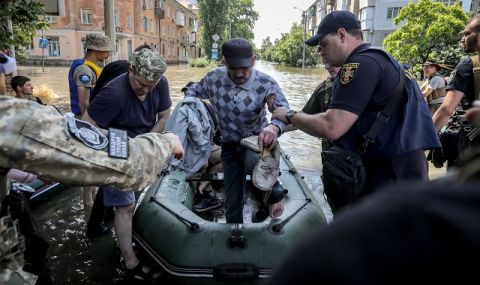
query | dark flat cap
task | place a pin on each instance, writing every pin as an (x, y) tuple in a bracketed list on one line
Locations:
[(238, 53)]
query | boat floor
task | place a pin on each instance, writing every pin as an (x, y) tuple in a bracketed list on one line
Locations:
[(253, 206)]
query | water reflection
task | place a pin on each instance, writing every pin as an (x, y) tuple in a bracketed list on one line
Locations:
[(62, 220)]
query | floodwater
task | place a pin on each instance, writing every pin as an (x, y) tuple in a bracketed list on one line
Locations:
[(72, 257), (76, 260)]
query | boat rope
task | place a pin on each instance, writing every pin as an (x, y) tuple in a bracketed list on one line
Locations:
[(193, 227), (278, 227)]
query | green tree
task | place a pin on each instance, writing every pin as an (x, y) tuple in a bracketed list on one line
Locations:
[(213, 17), (289, 49), (27, 18), (227, 19), (241, 19), (428, 28)]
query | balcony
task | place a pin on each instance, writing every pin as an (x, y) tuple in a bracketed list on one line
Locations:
[(160, 12), (180, 19)]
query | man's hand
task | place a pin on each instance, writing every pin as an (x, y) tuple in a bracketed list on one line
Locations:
[(178, 149), (268, 136), (279, 114)]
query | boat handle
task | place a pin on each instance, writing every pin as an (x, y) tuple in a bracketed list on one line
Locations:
[(235, 271)]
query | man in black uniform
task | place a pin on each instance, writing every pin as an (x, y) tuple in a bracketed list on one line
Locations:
[(366, 83), (460, 90), (427, 233)]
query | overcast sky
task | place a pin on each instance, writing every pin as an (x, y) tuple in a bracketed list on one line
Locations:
[(276, 17)]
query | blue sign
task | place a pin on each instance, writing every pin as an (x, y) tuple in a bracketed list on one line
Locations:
[(214, 55), (43, 43)]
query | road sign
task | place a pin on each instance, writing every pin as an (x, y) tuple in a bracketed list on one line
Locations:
[(215, 37), (214, 49), (214, 55), (215, 45), (43, 43)]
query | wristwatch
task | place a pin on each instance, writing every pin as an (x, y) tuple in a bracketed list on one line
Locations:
[(289, 115)]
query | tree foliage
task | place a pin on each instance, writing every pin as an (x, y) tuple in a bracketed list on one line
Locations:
[(429, 31), (227, 19), (27, 18), (289, 49)]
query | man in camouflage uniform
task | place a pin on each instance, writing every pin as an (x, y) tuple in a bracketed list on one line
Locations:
[(137, 102), (38, 139)]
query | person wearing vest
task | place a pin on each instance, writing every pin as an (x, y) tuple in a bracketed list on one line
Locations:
[(461, 92), (368, 80), (433, 88), (81, 79), (84, 72)]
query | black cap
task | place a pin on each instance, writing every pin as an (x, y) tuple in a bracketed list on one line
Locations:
[(238, 53), (331, 23)]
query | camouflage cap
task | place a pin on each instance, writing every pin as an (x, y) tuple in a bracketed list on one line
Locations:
[(97, 42), (148, 64)]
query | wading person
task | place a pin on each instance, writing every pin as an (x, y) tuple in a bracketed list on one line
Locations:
[(132, 102), (82, 76), (238, 92), (386, 150)]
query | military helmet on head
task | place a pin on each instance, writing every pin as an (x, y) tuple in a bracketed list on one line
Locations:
[(148, 64), (97, 42)]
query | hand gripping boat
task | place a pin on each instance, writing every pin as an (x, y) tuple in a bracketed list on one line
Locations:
[(194, 250)]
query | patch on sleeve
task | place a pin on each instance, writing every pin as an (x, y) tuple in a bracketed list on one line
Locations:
[(349, 70), (85, 78), (452, 77), (85, 132)]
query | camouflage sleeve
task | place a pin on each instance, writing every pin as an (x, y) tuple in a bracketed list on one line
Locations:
[(84, 76), (35, 138)]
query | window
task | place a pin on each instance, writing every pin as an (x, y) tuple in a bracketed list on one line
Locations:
[(53, 46), (151, 26), (50, 19), (157, 24), (117, 18), (129, 21), (145, 24), (392, 12), (86, 16)]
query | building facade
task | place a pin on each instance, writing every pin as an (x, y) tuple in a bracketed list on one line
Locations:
[(376, 16), (167, 26)]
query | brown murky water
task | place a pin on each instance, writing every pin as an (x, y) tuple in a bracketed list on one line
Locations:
[(76, 260)]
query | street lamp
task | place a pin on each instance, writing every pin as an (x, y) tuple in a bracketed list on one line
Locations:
[(304, 16)]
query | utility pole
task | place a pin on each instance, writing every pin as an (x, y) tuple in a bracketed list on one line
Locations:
[(304, 17), (109, 12)]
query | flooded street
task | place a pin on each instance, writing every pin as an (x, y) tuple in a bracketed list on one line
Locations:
[(72, 257)]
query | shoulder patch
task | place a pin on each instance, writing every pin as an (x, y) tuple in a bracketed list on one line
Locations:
[(85, 132), (348, 72), (85, 78)]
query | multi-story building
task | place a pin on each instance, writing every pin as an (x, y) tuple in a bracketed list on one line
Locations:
[(166, 25), (376, 16)]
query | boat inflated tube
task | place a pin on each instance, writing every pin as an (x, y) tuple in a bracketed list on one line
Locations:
[(235, 272)]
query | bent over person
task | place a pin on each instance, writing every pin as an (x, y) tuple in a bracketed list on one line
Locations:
[(137, 102), (368, 80), (238, 93)]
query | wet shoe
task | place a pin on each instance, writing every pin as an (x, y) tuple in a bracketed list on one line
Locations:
[(250, 143), (206, 204), (267, 169)]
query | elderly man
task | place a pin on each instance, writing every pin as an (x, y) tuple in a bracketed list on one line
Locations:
[(238, 92), (132, 101), (368, 81)]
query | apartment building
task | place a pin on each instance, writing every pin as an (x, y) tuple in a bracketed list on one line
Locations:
[(376, 16), (166, 25)]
